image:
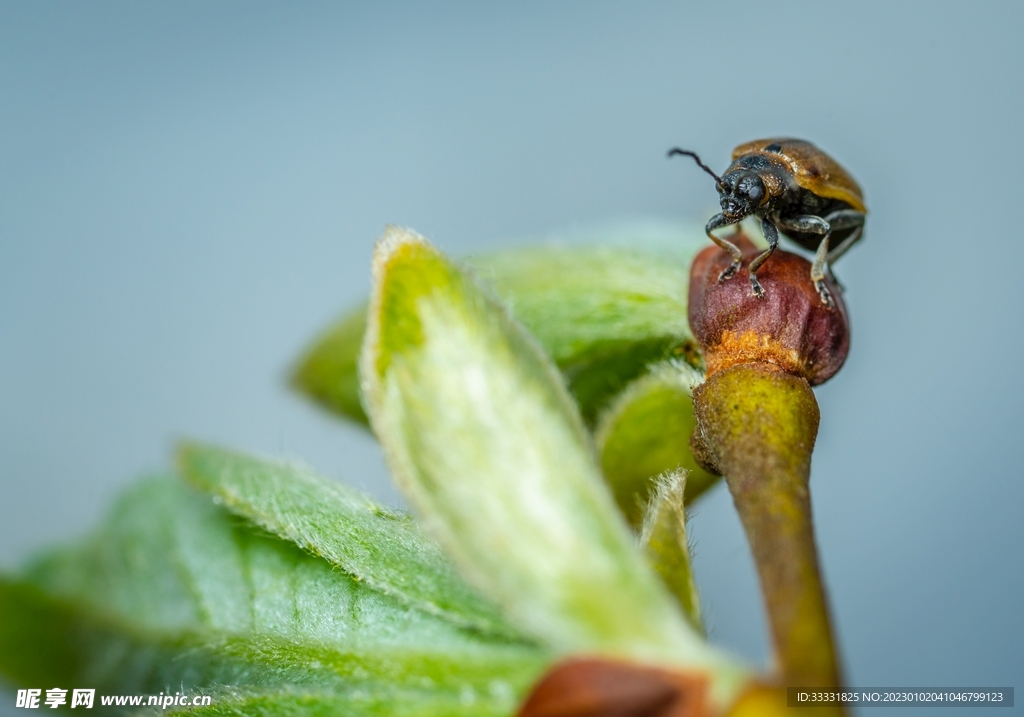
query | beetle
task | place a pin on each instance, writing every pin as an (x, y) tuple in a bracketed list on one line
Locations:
[(795, 188)]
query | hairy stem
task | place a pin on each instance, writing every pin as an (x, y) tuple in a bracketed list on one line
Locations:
[(756, 425)]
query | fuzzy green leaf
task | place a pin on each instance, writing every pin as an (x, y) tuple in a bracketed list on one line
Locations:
[(603, 313), (664, 540), (646, 433), (173, 593), (486, 443), (327, 373), (345, 527), (313, 703)]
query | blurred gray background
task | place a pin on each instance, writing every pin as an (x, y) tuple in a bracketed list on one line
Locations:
[(190, 191)]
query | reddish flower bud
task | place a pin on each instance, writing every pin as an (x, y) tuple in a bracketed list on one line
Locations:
[(601, 687), (790, 327)]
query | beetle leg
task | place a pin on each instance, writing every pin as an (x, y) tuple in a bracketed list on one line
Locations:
[(811, 224), (717, 222), (805, 224), (771, 233), (844, 219), (818, 272)]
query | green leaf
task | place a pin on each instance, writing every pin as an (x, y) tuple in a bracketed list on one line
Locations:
[(172, 593), (646, 433), (603, 313), (485, 442), (327, 704), (345, 527), (327, 372), (664, 539)]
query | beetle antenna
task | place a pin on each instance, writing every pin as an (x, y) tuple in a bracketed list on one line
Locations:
[(687, 153)]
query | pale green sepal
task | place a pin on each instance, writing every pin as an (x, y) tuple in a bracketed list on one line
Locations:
[(646, 433), (484, 441), (663, 538), (347, 528)]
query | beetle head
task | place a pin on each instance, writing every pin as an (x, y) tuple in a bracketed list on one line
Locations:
[(741, 193)]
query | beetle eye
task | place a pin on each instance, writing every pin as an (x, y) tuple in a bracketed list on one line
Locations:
[(752, 188)]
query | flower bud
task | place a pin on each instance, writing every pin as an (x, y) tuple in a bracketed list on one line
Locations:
[(791, 327), (601, 687)]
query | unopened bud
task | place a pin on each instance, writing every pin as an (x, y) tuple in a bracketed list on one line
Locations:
[(790, 328), (602, 687)]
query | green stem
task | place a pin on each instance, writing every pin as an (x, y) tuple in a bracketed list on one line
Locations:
[(757, 426)]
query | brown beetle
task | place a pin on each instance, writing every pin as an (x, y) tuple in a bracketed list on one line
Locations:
[(795, 188)]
